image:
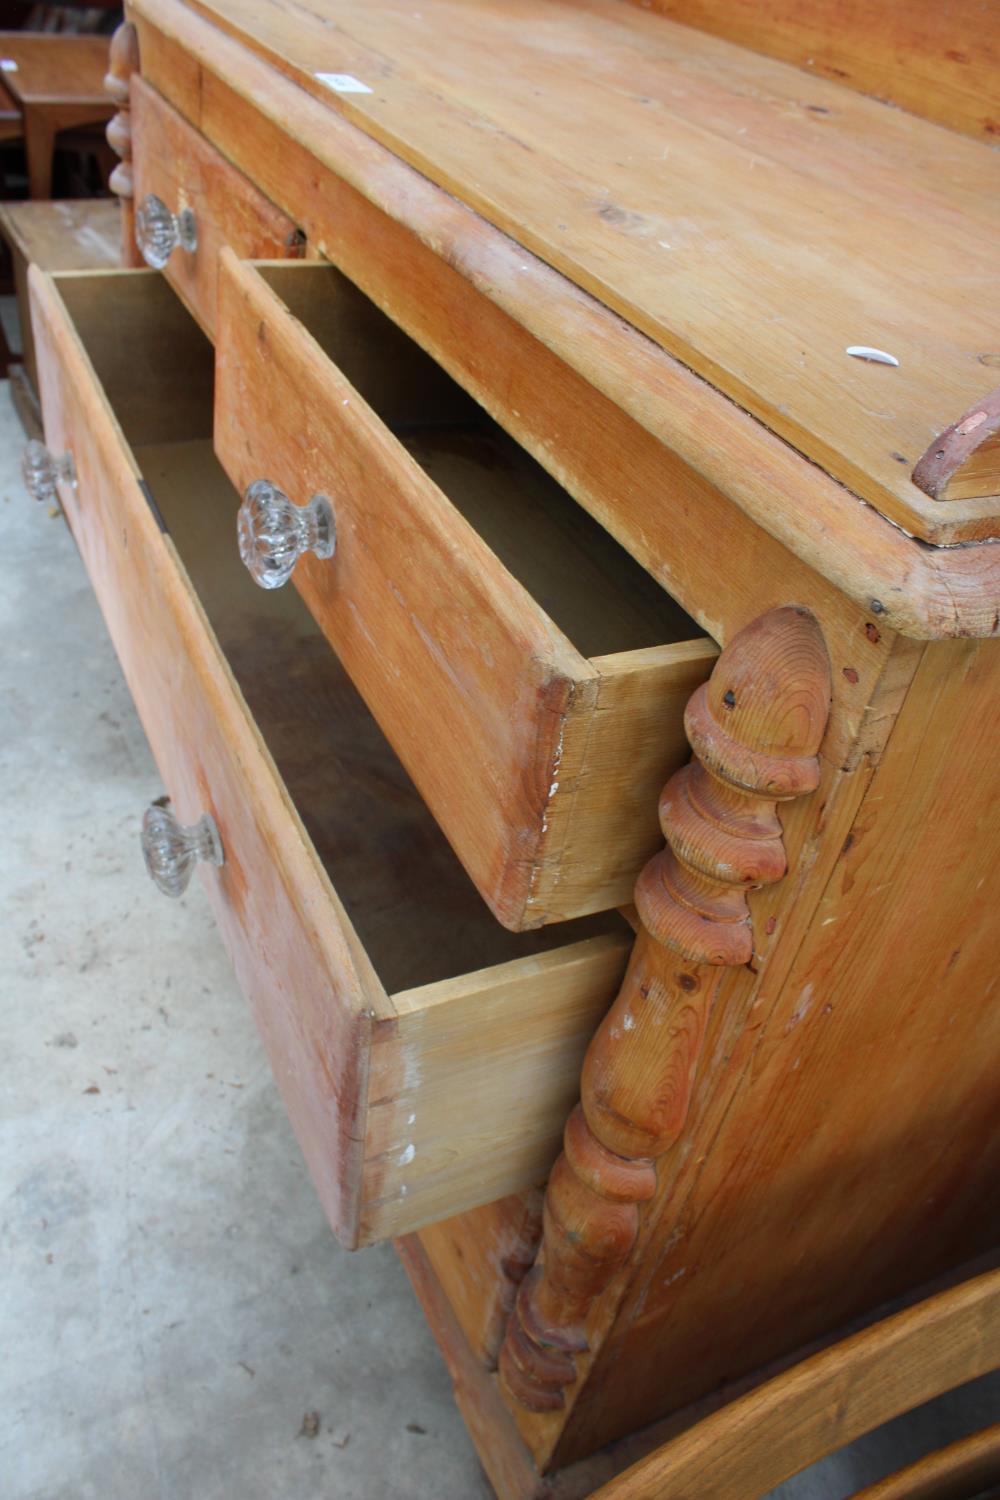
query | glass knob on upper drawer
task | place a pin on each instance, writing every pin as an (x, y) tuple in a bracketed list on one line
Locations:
[(42, 470), (158, 232), (274, 533), (171, 851)]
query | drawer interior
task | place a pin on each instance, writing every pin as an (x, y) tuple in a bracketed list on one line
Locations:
[(572, 665), (415, 910), (588, 585), (427, 1057)]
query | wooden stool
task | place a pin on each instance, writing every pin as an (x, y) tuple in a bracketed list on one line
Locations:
[(77, 235)]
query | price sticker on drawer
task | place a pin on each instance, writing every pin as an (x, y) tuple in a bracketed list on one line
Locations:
[(8, 64), (343, 83)]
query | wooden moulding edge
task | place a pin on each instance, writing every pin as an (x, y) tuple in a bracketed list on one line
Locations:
[(926, 590)]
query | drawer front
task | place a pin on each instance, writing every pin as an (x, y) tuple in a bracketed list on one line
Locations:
[(312, 993), (408, 1108), (543, 767), (174, 162)]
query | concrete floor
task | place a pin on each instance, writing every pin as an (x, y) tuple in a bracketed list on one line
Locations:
[(172, 1303)]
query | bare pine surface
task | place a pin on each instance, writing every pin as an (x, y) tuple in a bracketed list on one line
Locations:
[(754, 220)]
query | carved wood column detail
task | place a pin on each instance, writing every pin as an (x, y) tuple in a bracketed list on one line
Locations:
[(122, 63), (755, 729)]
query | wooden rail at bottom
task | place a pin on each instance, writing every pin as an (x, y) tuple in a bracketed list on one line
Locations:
[(748, 1447), (966, 1468)]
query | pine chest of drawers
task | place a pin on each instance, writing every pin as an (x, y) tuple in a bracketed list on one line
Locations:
[(625, 733)]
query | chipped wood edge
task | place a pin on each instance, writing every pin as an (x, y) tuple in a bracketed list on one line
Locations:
[(470, 1084), (724, 838), (964, 462)]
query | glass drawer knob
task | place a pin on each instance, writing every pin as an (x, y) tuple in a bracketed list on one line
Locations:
[(274, 533), (158, 232), (171, 851), (42, 470)]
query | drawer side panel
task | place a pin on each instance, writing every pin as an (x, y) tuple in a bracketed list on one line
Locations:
[(472, 1083), (468, 678), (309, 984)]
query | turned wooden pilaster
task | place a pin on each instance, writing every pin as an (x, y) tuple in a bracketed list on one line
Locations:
[(122, 63), (755, 729)]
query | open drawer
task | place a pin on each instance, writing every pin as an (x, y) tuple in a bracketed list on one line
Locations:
[(426, 1056), (530, 675)]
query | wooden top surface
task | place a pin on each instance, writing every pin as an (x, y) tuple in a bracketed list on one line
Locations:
[(54, 68), (752, 219), (940, 61), (76, 234)]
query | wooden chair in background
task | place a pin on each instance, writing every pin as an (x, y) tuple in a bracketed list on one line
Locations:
[(744, 1450)]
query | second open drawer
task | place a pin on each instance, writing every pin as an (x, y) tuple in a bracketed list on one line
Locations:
[(427, 1058), (529, 674)]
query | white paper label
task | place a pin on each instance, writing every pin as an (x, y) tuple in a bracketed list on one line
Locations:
[(8, 64), (343, 83)]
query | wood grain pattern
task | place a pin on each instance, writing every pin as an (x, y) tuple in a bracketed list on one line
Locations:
[(965, 460), (78, 234), (508, 730), (707, 469), (177, 164), (411, 905), (650, 449), (123, 61), (755, 729), (271, 899), (818, 1179), (503, 1454), (470, 1085), (714, 238), (479, 1025), (665, 462), (748, 1448), (410, 1108), (602, 822), (814, 832), (938, 61), (69, 235)]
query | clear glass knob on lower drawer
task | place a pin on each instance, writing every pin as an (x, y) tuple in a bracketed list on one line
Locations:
[(158, 232), (42, 470), (274, 533), (171, 851)]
